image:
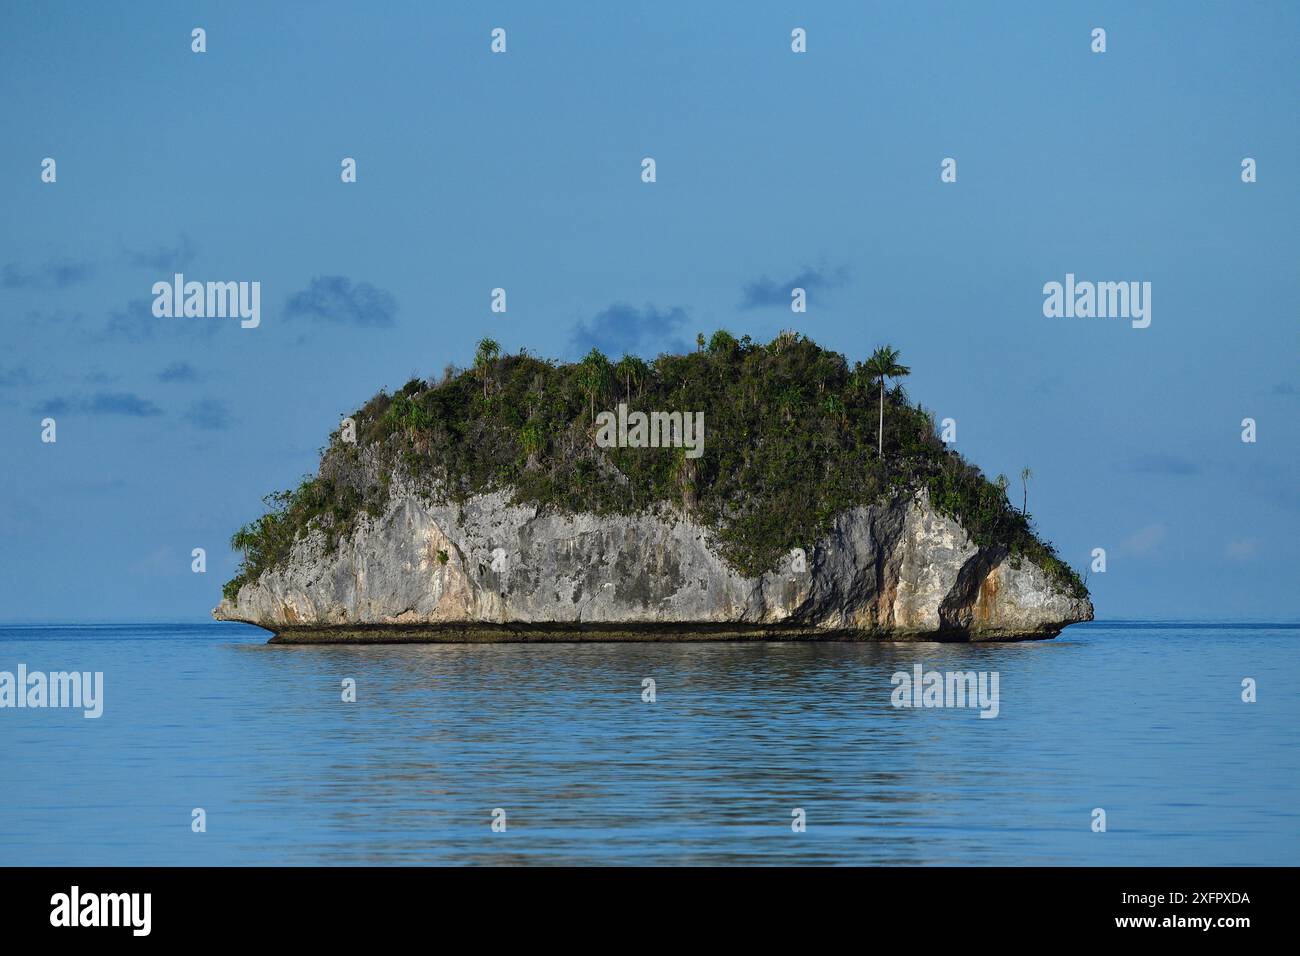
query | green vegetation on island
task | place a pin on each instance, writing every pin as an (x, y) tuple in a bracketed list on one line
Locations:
[(794, 436)]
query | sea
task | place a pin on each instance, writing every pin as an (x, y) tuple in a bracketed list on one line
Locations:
[(1117, 743)]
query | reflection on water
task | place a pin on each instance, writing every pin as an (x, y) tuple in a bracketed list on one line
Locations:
[(1144, 721)]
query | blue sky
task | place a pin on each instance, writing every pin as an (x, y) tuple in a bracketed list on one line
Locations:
[(522, 171)]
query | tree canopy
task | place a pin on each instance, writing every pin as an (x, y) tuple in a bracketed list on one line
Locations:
[(791, 433)]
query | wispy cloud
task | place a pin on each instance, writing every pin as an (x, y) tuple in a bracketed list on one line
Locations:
[(135, 322), (121, 403), (210, 414), (1145, 540), (625, 328), (127, 404), (16, 376), (336, 299), (97, 376), (179, 372), (168, 257), (162, 561), (1243, 549), (55, 274), (764, 292)]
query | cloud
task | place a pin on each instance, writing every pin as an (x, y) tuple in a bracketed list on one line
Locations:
[(135, 322), (625, 328), (121, 403), (162, 560), (15, 376), (179, 372), (1243, 549), (1048, 386), (55, 274), (102, 403), (1160, 463), (53, 406), (336, 299), (763, 292), (1145, 540), (210, 414), (164, 258)]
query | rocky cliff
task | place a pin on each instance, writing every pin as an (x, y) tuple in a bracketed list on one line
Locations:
[(490, 569)]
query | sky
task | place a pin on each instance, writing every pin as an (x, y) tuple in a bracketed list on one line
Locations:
[(523, 170)]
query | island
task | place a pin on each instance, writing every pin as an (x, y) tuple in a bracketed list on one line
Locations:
[(739, 491)]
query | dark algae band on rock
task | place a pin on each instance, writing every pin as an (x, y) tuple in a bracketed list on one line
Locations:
[(817, 503)]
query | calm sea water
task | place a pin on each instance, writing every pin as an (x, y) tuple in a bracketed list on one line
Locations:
[(1144, 720)]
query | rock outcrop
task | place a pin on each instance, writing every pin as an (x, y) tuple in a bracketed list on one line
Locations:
[(491, 570)]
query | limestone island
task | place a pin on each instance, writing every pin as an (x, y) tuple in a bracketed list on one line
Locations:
[(532, 500)]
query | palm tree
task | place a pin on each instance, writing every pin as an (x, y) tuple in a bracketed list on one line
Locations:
[(593, 376), (244, 540), (488, 350), (1025, 475), (631, 369), (883, 364)]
